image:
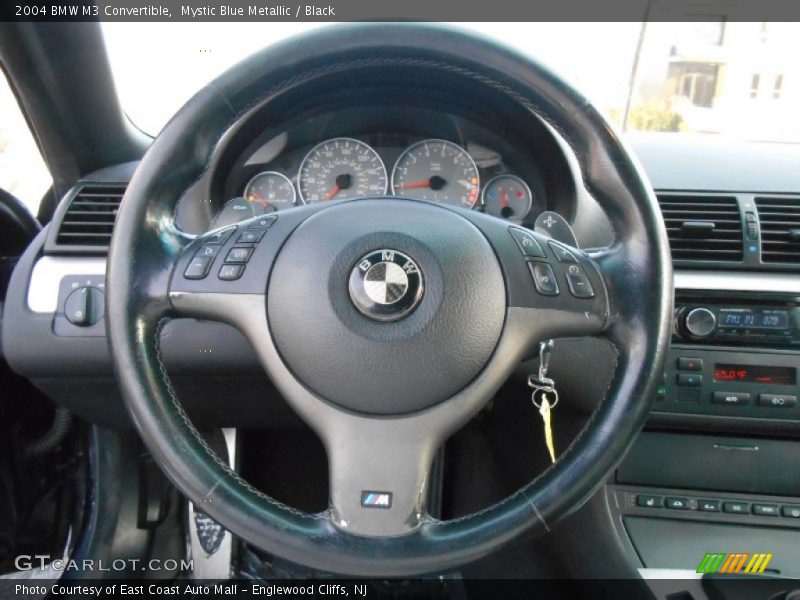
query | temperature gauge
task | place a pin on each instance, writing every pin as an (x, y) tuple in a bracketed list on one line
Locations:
[(507, 197)]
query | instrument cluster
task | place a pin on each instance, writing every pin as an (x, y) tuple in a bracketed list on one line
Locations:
[(470, 176)]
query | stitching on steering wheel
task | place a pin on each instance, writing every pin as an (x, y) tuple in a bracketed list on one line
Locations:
[(201, 440)]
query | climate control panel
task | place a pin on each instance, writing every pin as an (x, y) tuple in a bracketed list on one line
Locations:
[(755, 383)]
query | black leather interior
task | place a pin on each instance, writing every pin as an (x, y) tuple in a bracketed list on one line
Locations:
[(146, 243)]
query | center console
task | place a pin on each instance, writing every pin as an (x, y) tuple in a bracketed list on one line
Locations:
[(718, 468), (733, 356)]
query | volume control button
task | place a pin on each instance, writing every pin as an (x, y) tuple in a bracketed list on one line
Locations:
[(700, 322)]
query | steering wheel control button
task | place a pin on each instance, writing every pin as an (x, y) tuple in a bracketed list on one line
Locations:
[(708, 505), (198, 267), (777, 400), (690, 364), (220, 237), (731, 398), (239, 254), (231, 272), (736, 508), (649, 501), (543, 278), (263, 222), (579, 285), (766, 510), (562, 254), (209, 250), (385, 285), (527, 243), (85, 306), (251, 236)]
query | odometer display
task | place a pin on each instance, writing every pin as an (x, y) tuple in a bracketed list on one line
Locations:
[(341, 168), (437, 170)]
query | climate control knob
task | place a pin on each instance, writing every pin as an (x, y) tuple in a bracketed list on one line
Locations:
[(700, 322)]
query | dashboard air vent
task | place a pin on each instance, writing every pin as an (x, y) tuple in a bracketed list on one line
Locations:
[(703, 228), (780, 229), (89, 218)]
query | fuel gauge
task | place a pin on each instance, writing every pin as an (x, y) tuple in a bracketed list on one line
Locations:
[(507, 197), (270, 191)]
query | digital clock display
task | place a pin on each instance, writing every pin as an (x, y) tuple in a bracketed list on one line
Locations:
[(755, 374), (753, 319)]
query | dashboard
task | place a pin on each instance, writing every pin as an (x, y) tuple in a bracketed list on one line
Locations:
[(374, 151)]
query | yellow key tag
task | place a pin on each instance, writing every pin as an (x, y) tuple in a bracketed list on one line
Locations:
[(544, 410)]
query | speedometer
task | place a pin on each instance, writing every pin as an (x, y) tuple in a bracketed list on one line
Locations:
[(341, 168), (437, 170)]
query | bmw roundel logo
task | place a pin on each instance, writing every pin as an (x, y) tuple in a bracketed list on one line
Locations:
[(386, 285)]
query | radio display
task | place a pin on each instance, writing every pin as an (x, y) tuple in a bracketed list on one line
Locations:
[(753, 319), (755, 374)]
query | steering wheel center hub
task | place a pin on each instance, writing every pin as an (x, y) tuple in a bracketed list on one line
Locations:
[(386, 285), (406, 294)]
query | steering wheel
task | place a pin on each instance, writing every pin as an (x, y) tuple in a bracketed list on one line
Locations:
[(386, 323)]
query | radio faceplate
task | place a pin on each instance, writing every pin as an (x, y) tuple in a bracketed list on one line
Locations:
[(756, 383), (764, 325)]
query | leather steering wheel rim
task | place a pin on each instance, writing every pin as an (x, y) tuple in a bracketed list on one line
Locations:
[(635, 271)]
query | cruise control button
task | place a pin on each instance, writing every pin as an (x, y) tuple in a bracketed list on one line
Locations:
[(263, 222), (578, 282), (544, 278), (649, 501), (708, 505), (219, 237), (791, 511), (208, 250), (230, 272), (198, 267), (251, 236), (766, 510), (731, 398), (527, 243), (562, 254), (238, 254), (777, 400), (737, 508)]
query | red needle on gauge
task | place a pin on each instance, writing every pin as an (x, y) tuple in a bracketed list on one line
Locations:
[(254, 196), (503, 198), (435, 183), (342, 183)]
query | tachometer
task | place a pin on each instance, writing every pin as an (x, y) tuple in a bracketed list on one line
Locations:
[(341, 168), (271, 190), (437, 170)]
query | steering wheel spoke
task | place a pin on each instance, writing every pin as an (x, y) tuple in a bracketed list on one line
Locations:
[(379, 474)]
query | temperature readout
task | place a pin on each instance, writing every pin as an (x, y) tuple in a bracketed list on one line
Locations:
[(755, 374), (764, 319)]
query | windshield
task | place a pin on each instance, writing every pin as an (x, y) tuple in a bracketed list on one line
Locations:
[(728, 78)]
